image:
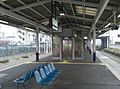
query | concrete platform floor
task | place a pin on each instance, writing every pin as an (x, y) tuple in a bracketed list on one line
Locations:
[(87, 58), (73, 76)]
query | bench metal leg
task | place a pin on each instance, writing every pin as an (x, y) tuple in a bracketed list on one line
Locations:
[(24, 86), (17, 86), (41, 87)]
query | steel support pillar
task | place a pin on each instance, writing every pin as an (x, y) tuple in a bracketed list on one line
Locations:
[(61, 49), (73, 48), (90, 48), (82, 44), (94, 43), (37, 46), (46, 47)]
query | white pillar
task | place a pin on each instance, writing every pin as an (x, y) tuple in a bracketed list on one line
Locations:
[(82, 40), (94, 43), (46, 47), (37, 46), (61, 49), (73, 49), (37, 42)]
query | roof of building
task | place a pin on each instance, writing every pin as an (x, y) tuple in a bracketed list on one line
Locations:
[(81, 14)]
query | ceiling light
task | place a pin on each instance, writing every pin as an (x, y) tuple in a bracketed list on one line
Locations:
[(99, 31), (107, 25), (29, 29), (75, 35), (85, 38), (4, 0), (118, 16), (62, 14), (1, 21)]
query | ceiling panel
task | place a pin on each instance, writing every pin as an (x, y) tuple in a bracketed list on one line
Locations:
[(30, 1), (13, 3), (42, 11), (32, 14)]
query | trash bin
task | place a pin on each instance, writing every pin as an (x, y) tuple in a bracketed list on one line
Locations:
[(37, 56)]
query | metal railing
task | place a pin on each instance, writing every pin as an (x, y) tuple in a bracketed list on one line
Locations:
[(8, 50)]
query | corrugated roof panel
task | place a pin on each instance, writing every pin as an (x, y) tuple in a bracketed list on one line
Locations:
[(13, 3)]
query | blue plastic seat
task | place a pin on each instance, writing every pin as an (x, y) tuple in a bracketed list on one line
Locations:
[(50, 68), (53, 67), (48, 73), (39, 79), (32, 72), (38, 68), (45, 78), (22, 79), (54, 70)]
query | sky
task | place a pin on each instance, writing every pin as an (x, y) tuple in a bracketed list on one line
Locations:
[(8, 30), (13, 31)]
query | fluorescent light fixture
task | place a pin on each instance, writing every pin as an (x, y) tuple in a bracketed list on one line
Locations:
[(75, 35), (107, 25), (29, 29), (99, 31), (118, 16), (4, 0), (85, 38), (62, 14), (1, 21), (55, 28), (42, 32)]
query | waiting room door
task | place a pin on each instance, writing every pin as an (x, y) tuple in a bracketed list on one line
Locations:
[(67, 49)]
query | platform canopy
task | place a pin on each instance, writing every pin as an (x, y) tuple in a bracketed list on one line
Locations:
[(79, 14)]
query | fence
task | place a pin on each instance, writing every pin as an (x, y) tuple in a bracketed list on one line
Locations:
[(8, 50)]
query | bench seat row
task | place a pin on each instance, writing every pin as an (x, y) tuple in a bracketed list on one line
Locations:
[(43, 75)]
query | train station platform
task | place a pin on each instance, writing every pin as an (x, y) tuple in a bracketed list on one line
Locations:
[(74, 75)]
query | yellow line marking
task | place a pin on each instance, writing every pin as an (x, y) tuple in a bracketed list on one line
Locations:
[(69, 63)]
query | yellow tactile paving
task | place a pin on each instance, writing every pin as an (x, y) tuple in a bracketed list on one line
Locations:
[(67, 62)]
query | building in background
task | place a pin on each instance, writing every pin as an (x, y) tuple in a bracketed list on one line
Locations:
[(16, 36), (113, 39)]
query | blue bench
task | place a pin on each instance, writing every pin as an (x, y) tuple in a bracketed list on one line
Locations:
[(43, 74), (25, 77), (22, 79), (46, 75)]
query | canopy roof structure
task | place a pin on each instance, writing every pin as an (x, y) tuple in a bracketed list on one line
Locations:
[(79, 14)]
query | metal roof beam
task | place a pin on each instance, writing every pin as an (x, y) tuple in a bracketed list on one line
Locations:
[(31, 5), (65, 1), (32, 9), (81, 18), (76, 17), (85, 4), (99, 13), (21, 18), (73, 11), (83, 26), (17, 11), (46, 8)]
